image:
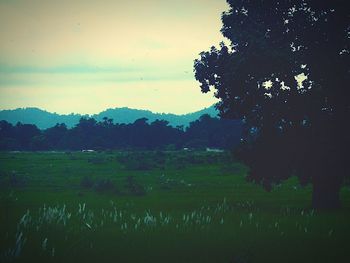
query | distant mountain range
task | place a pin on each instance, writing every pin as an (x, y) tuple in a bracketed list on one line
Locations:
[(44, 119)]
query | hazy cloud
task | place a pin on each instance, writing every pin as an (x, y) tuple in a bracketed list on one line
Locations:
[(59, 45)]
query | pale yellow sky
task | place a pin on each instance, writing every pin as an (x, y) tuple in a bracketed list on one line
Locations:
[(86, 56)]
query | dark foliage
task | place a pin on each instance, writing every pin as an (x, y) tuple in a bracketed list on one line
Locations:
[(290, 129), (105, 135), (104, 185), (133, 187), (100, 185), (213, 132)]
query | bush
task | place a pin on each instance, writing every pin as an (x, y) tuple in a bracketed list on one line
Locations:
[(100, 185), (104, 185), (134, 187)]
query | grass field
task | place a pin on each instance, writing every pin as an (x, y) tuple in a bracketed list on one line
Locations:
[(158, 207)]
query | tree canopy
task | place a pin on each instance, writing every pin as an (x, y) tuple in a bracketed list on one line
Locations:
[(285, 73), (107, 135)]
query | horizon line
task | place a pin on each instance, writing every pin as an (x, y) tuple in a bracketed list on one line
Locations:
[(90, 115)]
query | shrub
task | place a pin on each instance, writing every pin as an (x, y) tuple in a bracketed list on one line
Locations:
[(142, 161), (134, 187), (104, 185), (100, 185)]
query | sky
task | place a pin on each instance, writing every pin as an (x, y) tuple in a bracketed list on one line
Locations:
[(84, 56)]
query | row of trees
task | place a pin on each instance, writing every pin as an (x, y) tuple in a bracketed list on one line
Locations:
[(90, 134)]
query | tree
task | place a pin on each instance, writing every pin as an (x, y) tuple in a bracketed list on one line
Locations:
[(208, 131), (285, 73), (84, 133), (38, 143), (138, 133), (24, 134), (56, 135), (8, 139)]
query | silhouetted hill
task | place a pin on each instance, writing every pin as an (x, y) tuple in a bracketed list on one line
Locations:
[(127, 115), (44, 119), (41, 118)]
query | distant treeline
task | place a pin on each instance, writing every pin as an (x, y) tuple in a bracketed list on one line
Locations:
[(90, 134)]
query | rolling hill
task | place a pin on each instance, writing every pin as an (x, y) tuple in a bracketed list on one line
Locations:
[(44, 119)]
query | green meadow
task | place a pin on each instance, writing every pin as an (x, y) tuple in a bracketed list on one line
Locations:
[(176, 206)]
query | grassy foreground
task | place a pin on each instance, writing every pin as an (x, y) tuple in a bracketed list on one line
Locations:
[(158, 207)]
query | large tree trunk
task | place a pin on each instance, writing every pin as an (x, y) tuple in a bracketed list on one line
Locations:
[(325, 193)]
